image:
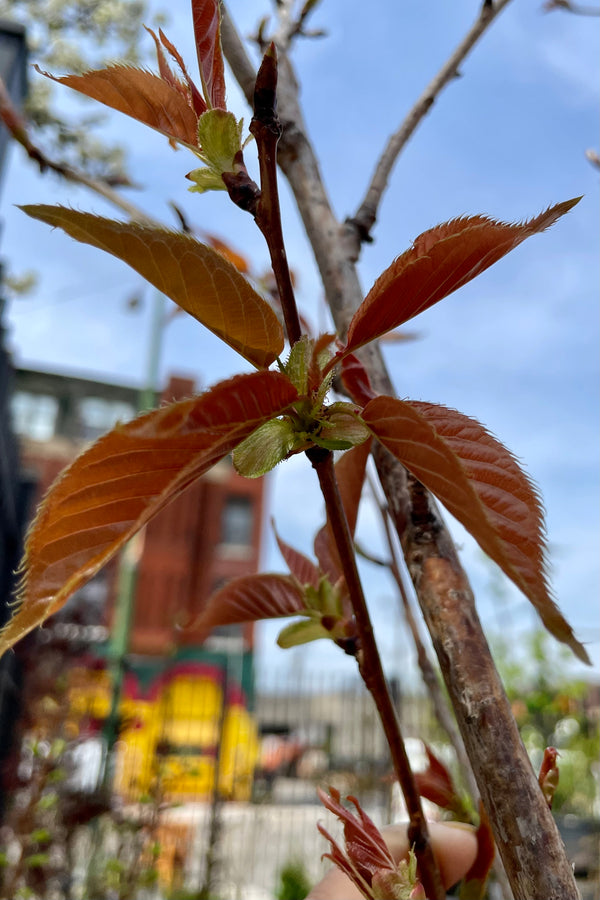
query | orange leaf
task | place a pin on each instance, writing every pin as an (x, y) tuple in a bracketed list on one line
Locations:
[(479, 481), (207, 31), (188, 90), (249, 599), (474, 882), (196, 277), (235, 258), (440, 261), (141, 95), (112, 489)]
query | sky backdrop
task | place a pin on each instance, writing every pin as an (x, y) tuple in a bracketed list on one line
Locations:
[(517, 348)]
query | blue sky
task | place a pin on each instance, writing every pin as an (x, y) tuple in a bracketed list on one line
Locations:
[(517, 348)]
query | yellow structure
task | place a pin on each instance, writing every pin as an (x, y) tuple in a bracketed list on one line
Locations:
[(173, 733)]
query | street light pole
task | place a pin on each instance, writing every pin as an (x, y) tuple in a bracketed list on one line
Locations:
[(13, 72)]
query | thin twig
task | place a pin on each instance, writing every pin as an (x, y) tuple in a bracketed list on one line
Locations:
[(365, 217), (18, 130), (431, 682), (428, 673), (266, 128), (577, 8), (371, 670)]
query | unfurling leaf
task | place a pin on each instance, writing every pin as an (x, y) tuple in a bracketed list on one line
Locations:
[(189, 89), (436, 785), (480, 482), (341, 428), (207, 32), (220, 139), (440, 261), (250, 599), (112, 489), (264, 448), (141, 95), (302, 631), (196, 277), (205, 179), (366, 859), (549, 774)]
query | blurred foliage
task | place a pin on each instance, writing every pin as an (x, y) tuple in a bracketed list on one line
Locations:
[(70, 36), (294, 883), (555, 709)]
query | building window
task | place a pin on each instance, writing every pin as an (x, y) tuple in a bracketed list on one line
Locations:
[(237, 521), (98, 416), (34, 415)]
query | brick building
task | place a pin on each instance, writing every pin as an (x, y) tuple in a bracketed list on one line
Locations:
[(174, 682)]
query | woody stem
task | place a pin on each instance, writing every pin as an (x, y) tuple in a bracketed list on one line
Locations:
[(266, 128), (371, 670)]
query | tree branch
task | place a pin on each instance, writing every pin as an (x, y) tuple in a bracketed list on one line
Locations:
[(523, 825), (369, 663), (266, 128), (366, 215), (428, 673), (488, 728)]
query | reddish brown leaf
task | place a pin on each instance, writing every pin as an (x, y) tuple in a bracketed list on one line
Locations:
[(164, 68), (112, 489), (440, 261), (329, 563), (356, 380), (481, 484), (350, 476), (299, 565), (141, 95), (187, 88), (207, 30), (196, 277), (195, 97), (249, 599), (549, 774)]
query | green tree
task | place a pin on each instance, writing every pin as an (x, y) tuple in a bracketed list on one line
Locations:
[(57, 35), (554, 709)]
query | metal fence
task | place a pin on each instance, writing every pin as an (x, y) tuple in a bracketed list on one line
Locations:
[(317, 731)]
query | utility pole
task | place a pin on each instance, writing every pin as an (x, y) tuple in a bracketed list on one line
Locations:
[(15, 490)]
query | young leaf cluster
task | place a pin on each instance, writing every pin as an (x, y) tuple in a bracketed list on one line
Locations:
[(118, 484)]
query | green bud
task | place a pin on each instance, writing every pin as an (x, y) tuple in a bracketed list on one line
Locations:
[(297, 365), (206, 179), (342, 425)]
